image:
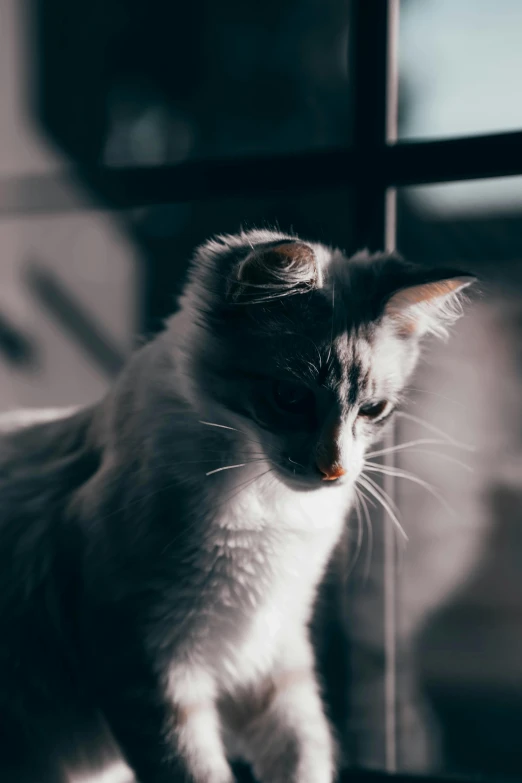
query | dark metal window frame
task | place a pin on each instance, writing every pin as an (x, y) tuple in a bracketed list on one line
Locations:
[(373, 166)]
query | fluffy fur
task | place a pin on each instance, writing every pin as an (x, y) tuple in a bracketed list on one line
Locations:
[(160, 551)]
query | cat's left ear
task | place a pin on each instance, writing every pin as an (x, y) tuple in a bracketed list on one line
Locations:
[(428, 307), (277, 270)]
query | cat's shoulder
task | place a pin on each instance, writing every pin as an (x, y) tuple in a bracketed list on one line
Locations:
[(34, 439), (14, 420)]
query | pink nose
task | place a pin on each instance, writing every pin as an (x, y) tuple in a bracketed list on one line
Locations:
[(330, 472), (328, 455)]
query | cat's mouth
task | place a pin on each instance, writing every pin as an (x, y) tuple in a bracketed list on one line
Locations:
[(299, 478)]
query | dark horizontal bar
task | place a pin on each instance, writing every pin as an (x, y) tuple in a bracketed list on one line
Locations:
[(452, 160), (189, 181), (405, 163)]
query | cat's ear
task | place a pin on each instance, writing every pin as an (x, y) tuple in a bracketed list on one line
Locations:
[(428, 307), (275, 271)]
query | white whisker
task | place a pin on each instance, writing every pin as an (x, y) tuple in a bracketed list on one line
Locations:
[(225, 500), (222, 426), (231, 429), (333, 316), (418, 442), (242, 487), (368, 499), (399, 473), (446, 457), (358, 544), (373, 488), (258, 458), (382, 492), (226, 467), (361, 506), (435, 394), (436, 430), (364, 502)]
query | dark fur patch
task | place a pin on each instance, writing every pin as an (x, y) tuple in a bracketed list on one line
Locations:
[(354, 377)]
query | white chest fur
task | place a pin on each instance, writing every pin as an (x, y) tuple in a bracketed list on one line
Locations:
[(264, 556)]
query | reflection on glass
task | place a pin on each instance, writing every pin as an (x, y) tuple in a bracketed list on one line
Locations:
[(496, 196), (460, 63), (460, 603), (236, 79), (138, 85), (68, 291)]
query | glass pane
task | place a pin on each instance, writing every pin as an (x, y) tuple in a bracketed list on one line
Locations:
[(139, 84), (233, 79), (460, 583), (460, 62)]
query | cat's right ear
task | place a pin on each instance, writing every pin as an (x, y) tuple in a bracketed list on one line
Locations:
[(428, 306), (273, 272)]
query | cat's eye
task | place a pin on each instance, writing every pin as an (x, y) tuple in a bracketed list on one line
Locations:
[(293, 397), (373, 410)]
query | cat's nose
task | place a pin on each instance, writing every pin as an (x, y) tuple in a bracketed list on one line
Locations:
[(328, 457), (330, 472)]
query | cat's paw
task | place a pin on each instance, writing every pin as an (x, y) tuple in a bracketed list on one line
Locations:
[(314, 772), (316, 765), (216, 776), (297, 764)]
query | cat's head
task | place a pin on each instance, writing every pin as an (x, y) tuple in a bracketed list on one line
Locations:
[(307, 351)]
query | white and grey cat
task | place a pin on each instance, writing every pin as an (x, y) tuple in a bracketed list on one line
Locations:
[(160, 551)]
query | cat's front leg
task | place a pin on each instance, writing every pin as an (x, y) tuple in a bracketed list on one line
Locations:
[(196, 730), (166, 725), (283, 728), (170, 739)]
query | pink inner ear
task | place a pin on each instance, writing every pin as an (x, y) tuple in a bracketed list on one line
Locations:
[(296, 252), (423, 293), (403, 306)]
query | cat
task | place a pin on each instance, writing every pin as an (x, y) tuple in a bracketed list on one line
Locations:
[(160, 551)]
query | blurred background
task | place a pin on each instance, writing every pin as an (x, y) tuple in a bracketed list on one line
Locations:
[(127, 83)]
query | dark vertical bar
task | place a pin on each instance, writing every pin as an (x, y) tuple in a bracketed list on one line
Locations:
[(369, 60), (368, 70), (374, 70), (343, 662)]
